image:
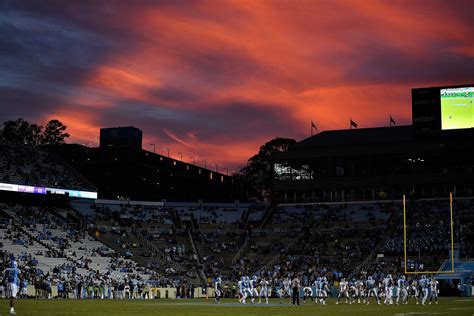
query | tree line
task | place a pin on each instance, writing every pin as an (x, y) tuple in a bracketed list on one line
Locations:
[(22, 132)]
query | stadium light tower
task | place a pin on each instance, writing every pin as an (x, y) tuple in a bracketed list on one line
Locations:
[(181, 155), (216, 167), (226, 171), (205, 164), (168, 151), (191, 157), (154, 148)]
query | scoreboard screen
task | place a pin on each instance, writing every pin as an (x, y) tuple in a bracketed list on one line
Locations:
[(456, 108), (443, 108)]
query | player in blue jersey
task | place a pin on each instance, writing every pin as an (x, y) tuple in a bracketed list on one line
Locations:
[(242, 292), (323, 290), (371, 285), (424, 284), (402, 290), (247, 291), (11, 281), (253, 288), (388, 289), (316, 284), (218, 290)]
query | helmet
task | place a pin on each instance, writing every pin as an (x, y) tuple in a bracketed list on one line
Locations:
[(13, 264), (389, 276), (242, 279), (423, 276), (318, 279), (369, 277), (219, 279), (324, 279), (254, 278)]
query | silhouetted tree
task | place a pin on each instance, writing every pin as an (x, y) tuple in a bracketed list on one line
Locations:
[(258, 174), (54, 133), (21, 131)]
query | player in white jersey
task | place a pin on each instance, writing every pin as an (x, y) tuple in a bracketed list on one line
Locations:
[(360, 291), (402, 292), (424, 284), (413, 290), (281, 294), (352, 292), (218, 290), (434, 290), (343, 291), (388, 288), (372, 289), (287, 287), (253, 288), (263, 290), (242, 292), (307, 293)]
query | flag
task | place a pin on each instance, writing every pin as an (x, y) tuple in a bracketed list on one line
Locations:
[(313, 126), (353, 124), (392, 121)]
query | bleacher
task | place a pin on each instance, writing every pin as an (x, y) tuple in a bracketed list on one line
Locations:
[(37, 166)]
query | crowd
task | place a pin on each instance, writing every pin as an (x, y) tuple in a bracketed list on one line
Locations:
[(304, 242), (35, 166)]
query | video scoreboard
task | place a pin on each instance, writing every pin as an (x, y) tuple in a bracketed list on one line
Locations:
[(443, 108)]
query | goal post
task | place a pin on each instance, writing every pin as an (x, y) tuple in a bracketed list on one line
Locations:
[(451, 224)]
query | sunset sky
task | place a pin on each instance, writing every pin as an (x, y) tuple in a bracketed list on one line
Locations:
[(217, 79)]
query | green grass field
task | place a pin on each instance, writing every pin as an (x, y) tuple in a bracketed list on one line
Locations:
[(447, 306)]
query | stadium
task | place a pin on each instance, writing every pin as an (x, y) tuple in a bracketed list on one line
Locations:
[(140, 173), (347, 207)]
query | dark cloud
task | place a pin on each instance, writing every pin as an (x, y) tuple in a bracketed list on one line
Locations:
[(15, 103), (388, 63)]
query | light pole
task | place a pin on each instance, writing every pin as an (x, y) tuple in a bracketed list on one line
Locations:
[(226, 171), (181, 155), (168, 151), (205, 164), (154, 147), (216, 167), (191, 157)]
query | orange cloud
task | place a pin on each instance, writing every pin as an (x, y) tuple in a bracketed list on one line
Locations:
[(181, 72)]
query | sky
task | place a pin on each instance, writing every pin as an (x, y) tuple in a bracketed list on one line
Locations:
[(217, 79)]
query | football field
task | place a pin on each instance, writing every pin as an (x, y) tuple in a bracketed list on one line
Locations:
[(202, 307)]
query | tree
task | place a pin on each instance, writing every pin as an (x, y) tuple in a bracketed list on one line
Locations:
[(258, 174), (35, 135), (22, 132), (54, 133)]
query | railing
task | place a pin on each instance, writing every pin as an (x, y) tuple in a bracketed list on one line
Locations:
[(239, 252), (198, 260)]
